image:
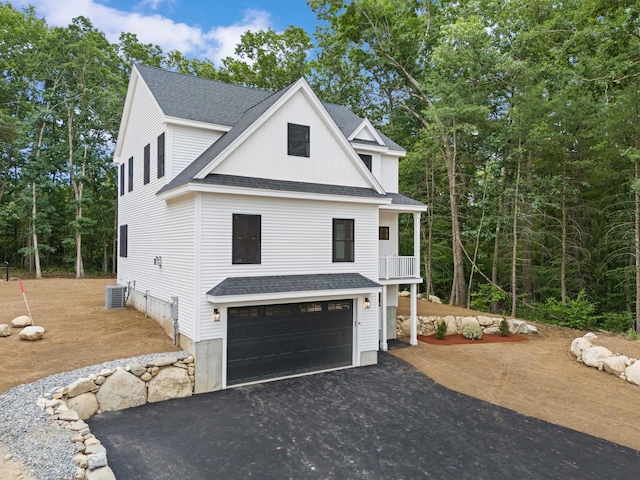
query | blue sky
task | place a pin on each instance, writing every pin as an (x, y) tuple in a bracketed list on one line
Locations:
[(198, 28)]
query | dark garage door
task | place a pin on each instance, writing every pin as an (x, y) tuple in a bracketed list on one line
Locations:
[(270, 341)]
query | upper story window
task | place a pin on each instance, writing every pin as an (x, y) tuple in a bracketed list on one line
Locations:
[(122, 179), (343, 244), (124, 240), (366, 159), (298, 143), (147, 164), (246, 239), (161, 155), (131, 174)]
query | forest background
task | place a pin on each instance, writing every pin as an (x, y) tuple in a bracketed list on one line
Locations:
[(521, 120)]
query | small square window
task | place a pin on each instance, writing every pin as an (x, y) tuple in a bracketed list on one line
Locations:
[(383, 233), (298, 144)]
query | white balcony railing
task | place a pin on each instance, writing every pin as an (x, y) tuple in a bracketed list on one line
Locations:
[(397, 267)]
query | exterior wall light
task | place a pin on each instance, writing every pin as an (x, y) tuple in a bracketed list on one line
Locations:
[(367, 303), (216, 315)]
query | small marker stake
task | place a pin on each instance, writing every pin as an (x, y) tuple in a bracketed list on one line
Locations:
[(25, 299)]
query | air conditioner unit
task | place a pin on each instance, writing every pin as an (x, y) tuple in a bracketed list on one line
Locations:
[(115, 297)]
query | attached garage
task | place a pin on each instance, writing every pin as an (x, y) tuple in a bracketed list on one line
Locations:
[(270, 341)]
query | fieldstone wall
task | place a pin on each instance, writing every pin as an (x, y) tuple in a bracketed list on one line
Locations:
[(107, 390), (455, 324), (604, 360)]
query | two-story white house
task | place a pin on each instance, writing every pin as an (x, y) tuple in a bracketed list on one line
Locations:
[(269, 219)]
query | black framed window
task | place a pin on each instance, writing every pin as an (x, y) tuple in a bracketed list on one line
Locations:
[(366, 159), (131, 174), (383, 233), (246, 238), (161, 155), (122, 173), (147, 163), (298, 143), (124, 240), (343, 245)]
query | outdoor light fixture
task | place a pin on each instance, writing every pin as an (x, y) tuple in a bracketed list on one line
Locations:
[(216, 315), (367, 303)]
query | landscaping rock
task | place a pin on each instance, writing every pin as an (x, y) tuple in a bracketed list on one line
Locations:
[(594, 355), (5, 330), (81, 386), (21, 321), (97, 460), (102, 473), (518, 326), (578, 346), (531, 329), (121, 390), (171, 382), (404, 293), (434, 299), (163, 362), (465, 321), (31, 334), (632, 373), (452, 325), (405, 327), (485, 321), (491, 330), (615, 365), (85, 405)]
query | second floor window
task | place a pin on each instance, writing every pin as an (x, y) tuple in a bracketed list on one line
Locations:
[(343, 245), (298, 143), (246, 239), (366, 159)]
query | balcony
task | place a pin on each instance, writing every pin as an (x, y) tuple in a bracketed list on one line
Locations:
[(390, 268)]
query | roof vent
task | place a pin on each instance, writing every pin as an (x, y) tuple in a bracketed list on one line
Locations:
[(115, 297)]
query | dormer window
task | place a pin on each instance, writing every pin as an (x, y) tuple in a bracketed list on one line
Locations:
[(298, 144), (366, 159)]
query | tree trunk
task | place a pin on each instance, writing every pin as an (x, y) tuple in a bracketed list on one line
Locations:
[(527, 285), (637, 246), (77, 191), (496, 242), (563, 258), (514, 255)]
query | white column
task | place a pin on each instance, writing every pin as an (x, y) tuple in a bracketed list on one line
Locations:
[(383, 342), (416, 243), (414, 315)]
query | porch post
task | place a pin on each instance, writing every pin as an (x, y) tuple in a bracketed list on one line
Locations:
[(416, 244), (383, 342), (414, 315)]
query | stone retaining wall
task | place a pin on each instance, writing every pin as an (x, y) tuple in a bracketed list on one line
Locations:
[(456, 324), (136, 384), (604, 360)]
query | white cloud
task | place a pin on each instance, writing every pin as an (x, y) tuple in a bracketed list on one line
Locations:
[(216, 43)]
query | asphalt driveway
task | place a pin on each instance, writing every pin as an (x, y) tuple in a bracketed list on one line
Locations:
[(387, 421)]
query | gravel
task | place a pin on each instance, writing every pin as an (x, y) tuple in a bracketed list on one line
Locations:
[(45, 449)]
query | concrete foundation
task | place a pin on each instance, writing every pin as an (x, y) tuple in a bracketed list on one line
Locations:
[(208, 360), (368, 358), (152, 307), (392, 314)]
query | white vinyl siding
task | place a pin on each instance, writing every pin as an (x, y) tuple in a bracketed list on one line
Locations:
[(264, 154), (389, 247), (387, 174), (187, 143), (296, 239)]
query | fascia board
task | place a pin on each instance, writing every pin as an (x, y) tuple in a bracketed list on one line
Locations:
[(257, 192), (404, 208), (282, 296)]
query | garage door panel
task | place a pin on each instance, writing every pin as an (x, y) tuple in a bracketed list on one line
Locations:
[(298, 341)]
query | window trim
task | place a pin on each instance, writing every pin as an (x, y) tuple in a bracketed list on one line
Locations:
[(383, 233), (256, 243), (147, 164), (298, 140), (348, 241)]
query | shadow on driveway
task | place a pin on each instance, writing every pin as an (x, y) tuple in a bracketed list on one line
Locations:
[(381, 422)]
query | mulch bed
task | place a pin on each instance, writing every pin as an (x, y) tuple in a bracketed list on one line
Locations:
[(458, 339)]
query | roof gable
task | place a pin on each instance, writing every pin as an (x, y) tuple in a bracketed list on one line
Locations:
[(366, 132)]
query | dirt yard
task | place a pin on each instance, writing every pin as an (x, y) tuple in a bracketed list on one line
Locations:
[(539, 377)]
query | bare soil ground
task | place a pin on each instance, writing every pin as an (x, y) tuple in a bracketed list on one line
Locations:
[(539, 377)]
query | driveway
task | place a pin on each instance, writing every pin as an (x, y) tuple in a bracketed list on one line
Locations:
[(387, 421)]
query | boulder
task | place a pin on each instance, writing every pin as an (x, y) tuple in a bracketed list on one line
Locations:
[(121, 390), (434, 299), (162, 362), (137, 369), (85, 405), (102, 473), (518, 326), (485, 321), (68, 416), (452, 325), (404, 293), (633, 373), (615, 365), (97, 460), (31, 334), (5, 330), (80, 386), (578, 345), (171, 382), (593, 356), (491, 330), (590, 335), (468, 321), (405, 327), (532, 329), (21, 321)]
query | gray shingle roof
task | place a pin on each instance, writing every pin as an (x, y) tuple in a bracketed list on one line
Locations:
[(291, 283), (399, 199)]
